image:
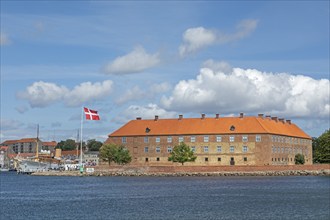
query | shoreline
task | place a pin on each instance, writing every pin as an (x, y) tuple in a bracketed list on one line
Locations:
[(173, 171)]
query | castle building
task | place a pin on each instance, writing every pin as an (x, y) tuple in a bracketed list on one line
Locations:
[(241, 140)]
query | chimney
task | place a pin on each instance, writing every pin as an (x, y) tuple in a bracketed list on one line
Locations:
[(203, 115), (180, 117), (288, 121), (282, 120), (268, 116), (138, 118), (274, 118), (216, 116), (156, 117), (241, 115), (260, 115)]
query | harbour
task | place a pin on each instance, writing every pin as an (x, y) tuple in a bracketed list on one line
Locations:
[(211, 197)]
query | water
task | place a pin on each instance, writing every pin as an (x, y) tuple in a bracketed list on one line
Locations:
[(38, 197)]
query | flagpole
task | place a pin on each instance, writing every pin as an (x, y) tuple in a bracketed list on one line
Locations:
[(81, 138)]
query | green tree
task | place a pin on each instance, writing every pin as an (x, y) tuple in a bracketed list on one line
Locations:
[(182, 153), (299, 159), (94, 145), (108, 152), (321, 148), (122, 156), (69, 144)]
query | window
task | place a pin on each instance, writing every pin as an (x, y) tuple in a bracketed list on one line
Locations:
[(245, 149), (146, 149), (206, 159), (157, 159), (219, 159), (245, 159), (206, 138), (219, 138), (30, 149), (146, 139), (219, 149), (258, 138), (157, 149), (169, 149), (232, 138), (244, 138), (193, 149), (169, 139), (147, 159), (181, 139), (157, 139), (232, 149), (192, 139), (206, 149), (123, 140)]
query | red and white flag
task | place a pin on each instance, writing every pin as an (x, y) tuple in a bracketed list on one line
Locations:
[(91, 114)]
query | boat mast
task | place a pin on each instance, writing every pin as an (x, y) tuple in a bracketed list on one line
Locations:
[(37, 147)]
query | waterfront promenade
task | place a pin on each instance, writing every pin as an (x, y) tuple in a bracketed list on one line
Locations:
[(179, 170)]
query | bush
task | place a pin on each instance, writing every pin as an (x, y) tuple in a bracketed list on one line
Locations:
[(299, 159)]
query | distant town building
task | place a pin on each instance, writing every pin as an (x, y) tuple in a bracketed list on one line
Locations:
[(241, 140), (29, 145)]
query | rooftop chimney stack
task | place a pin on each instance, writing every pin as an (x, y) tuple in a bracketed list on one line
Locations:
[(138, 118), (260, 115), (180, 117), (241, 115), (203, 115), (282, 120), (274, 118), (288, 121), (216, 116), (268, 116), (156, 117)]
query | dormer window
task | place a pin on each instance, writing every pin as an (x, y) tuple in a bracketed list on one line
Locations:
[(232, 128)]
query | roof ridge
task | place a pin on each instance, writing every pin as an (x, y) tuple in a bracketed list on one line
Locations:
[(262, 125)]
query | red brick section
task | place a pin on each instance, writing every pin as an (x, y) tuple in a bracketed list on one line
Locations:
[(210, 169)]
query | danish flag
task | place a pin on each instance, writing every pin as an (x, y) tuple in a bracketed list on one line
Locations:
[(91, 114)]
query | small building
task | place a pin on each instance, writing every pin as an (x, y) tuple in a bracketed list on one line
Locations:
[(241, 140), (91, 158), (29, 145)]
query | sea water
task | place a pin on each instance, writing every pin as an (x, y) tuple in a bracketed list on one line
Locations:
[(49, 197)]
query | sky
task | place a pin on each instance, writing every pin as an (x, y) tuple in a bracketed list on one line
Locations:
[(129, 59)]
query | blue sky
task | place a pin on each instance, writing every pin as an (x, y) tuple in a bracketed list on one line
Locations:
[(139, 59)]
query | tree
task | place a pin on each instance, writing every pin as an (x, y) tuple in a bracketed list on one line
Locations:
[(94, 145), (299, 159), (182, 153), (108, 152), (122, 156), (115, 153), (321, 148), (69, 144)]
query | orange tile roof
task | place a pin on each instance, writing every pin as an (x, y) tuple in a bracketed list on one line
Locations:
[(198, 126), (50, 143)]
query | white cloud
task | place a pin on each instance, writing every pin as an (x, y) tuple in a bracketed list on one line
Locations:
[(195, 39), (4, 39), (22, 109), (221, 66), (41, 94), (136, 61), (160, 88), (147, 112), (87, 91), (134, 93), (251, 91)]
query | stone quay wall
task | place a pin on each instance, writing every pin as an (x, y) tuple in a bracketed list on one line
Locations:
[(179, 170)]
